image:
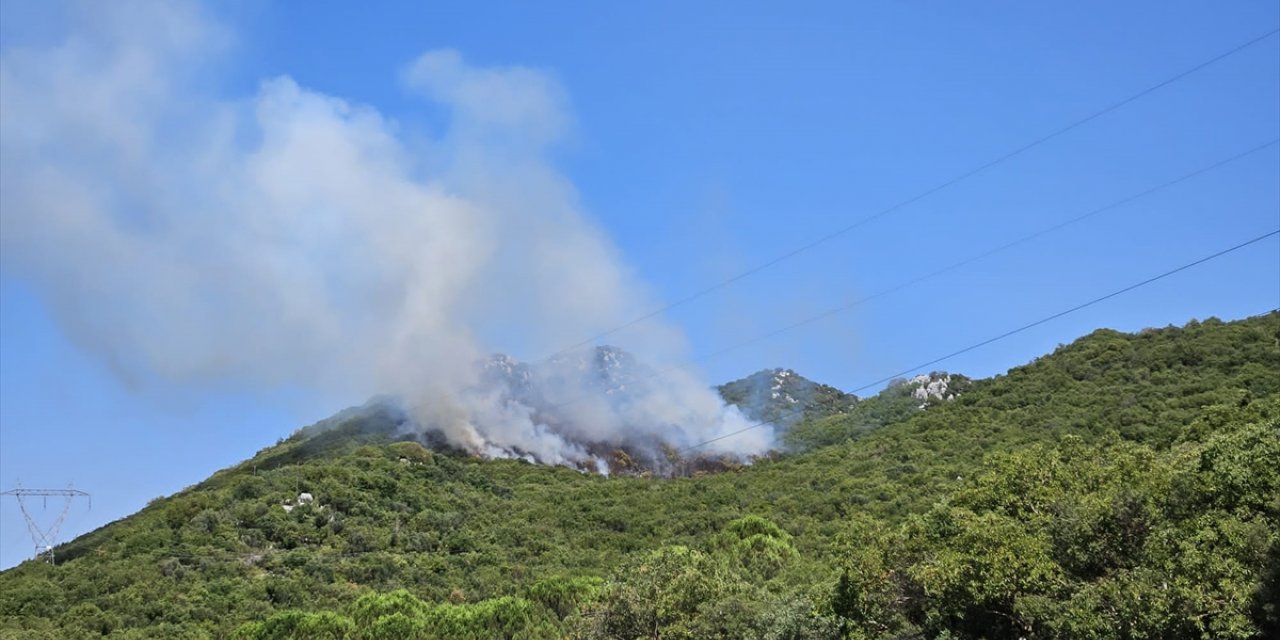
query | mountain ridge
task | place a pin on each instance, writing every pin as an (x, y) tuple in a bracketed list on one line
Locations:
[(1174, 428), (778, 397)]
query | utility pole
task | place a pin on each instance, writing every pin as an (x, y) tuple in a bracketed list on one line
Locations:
[(46, 538)]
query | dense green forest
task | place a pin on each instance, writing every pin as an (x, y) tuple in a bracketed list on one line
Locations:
[(1124, 486)]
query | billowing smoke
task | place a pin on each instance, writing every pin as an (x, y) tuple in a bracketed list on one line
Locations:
[(288, 238)]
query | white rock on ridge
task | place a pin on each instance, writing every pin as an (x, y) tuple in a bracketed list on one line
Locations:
[(776, 389), (931, 388)]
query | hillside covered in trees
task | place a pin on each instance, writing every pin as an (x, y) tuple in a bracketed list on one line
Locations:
[(1126, 485)]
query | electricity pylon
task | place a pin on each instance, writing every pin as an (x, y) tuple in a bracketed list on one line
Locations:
[(46, 538)]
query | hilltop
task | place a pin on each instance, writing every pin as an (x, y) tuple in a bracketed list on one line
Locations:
[(784, 397), (1123, 485)]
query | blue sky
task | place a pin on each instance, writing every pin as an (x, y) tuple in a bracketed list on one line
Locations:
[(702, 141)]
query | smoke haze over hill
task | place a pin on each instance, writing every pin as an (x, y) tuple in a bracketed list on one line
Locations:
[(291, 238)]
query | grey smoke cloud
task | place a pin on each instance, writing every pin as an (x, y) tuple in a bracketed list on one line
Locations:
[(293, 238)]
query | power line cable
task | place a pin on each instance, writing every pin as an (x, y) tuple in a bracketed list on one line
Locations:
[(1006, 334), (949, 268), (928, 192), (990, 252)]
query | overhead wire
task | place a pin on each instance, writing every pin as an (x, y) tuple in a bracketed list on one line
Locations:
[(990, 252), (827, 313), (922, 195)]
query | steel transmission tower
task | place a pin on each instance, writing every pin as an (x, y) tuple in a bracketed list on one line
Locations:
[(46, 538)]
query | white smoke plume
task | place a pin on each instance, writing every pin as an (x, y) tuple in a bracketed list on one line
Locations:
[(290, 238)]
